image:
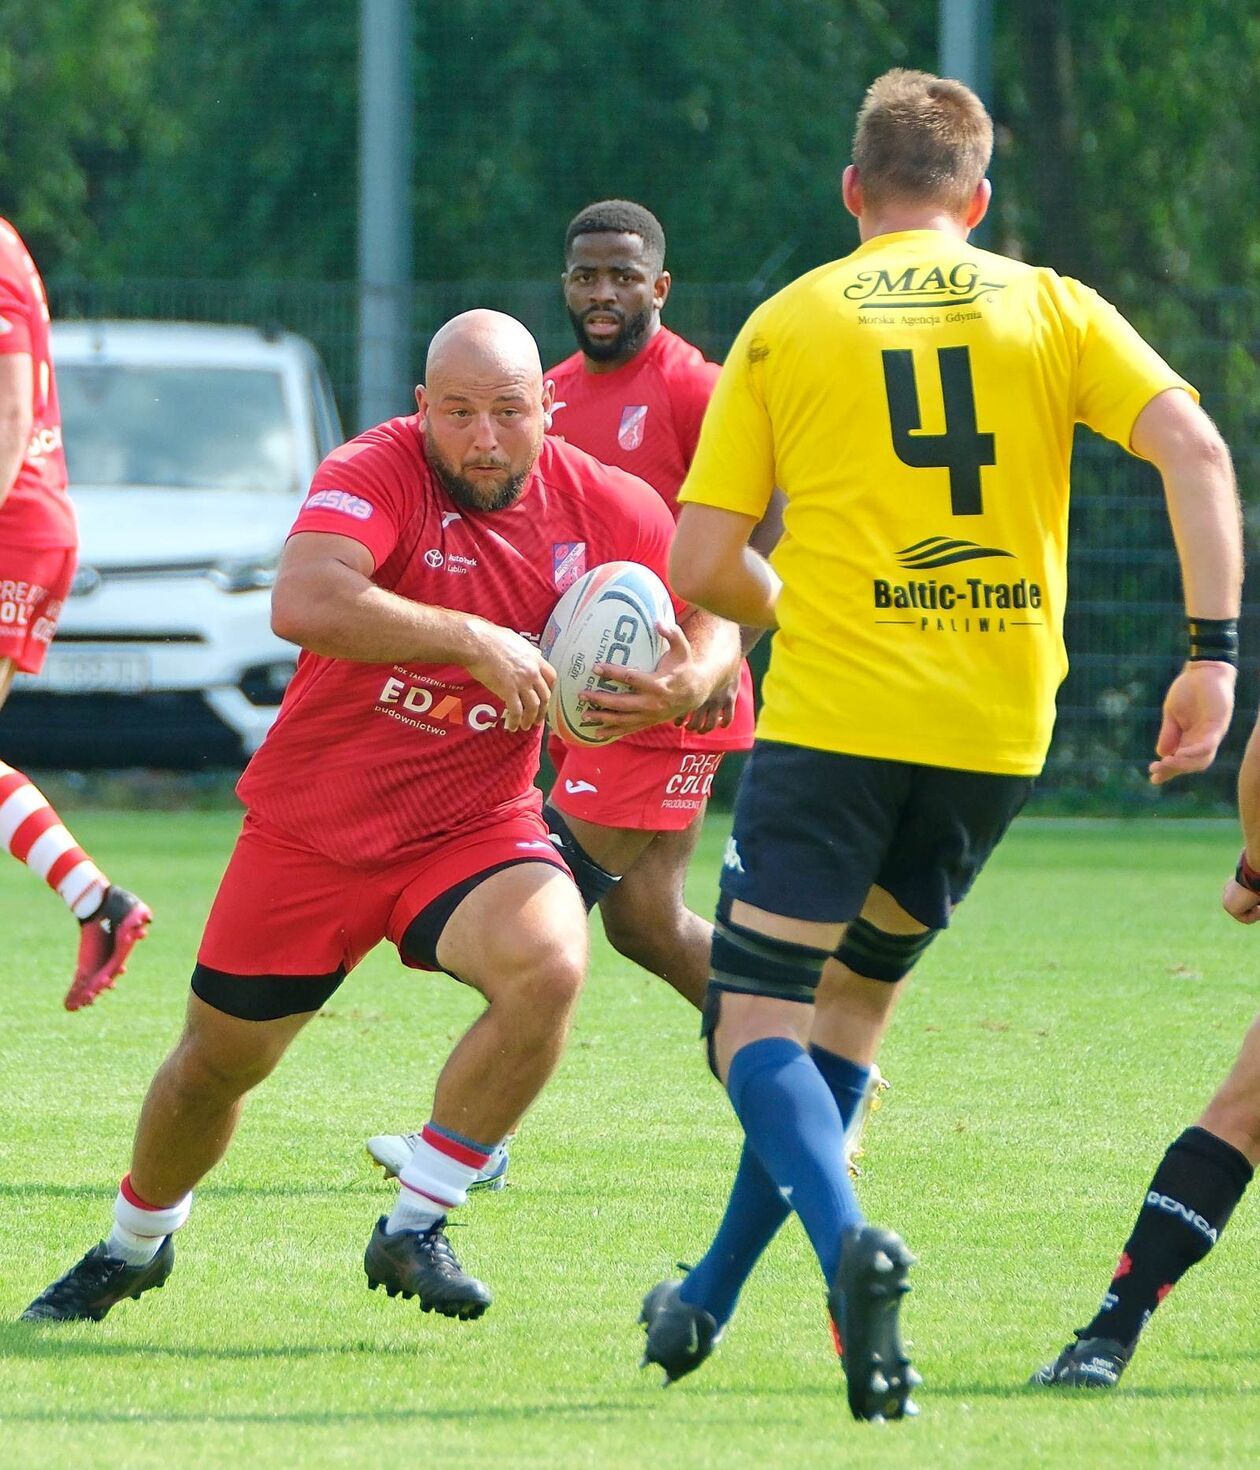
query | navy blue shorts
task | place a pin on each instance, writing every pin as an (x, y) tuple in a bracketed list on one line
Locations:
[(814, 830)]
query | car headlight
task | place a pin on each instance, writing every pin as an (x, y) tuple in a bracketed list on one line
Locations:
[(246, 575)]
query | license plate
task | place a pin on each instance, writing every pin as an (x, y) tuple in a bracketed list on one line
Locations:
[(94, 673)]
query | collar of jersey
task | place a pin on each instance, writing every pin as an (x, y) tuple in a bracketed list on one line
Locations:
[(897, 236)]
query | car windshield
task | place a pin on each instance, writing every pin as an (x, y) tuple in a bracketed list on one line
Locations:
[(176, 428)]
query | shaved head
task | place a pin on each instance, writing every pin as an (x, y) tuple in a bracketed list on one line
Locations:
[(483, 408), (480, 342)]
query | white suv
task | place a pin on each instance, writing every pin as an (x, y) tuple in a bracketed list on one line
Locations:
[(189, 448)]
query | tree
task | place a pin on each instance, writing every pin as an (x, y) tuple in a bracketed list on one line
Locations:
[(74, 80)]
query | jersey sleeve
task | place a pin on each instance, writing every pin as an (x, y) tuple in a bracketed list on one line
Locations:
[(15, 315), (1118, 372), (733, 468), (689, 398), (360, 492)]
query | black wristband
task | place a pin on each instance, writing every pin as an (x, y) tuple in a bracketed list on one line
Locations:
[(1245, 875), (1213, 639)]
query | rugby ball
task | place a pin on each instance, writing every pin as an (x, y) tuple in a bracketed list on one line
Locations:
[(608, 616)]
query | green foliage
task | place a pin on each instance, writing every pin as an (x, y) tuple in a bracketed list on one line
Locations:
[(1130, 145), (155, 137), (74, 86), (250, 167)]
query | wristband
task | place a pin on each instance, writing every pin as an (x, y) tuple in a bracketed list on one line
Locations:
[(1213, 639), (1245, 875)]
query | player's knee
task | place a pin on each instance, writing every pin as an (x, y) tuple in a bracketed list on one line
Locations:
[(202, 1068), (875, 954), (546, 981), (750, 963)]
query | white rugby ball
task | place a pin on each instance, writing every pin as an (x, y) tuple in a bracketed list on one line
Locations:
[(607, 616)]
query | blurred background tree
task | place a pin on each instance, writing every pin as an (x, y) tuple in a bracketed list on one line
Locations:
[(153, 137)]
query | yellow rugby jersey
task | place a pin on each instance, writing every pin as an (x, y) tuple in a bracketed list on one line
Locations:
[(915, 402)]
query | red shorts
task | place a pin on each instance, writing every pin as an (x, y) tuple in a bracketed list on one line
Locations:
[(291, 924), (620, 785), (34, 582)]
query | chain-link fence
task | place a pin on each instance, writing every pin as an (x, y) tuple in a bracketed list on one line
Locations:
[(1124, 623)]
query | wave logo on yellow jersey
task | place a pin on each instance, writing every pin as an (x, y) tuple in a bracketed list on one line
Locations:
[(919, 286), (944, 551)]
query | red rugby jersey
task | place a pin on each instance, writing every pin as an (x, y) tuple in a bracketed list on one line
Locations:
[(645, 417), (37, 511), (370, 762)]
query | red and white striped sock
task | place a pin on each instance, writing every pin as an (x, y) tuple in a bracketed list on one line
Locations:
[(139, 1227), (435, 1178), (34, 834)]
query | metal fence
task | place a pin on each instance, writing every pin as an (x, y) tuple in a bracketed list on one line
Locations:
[(1124, 627)]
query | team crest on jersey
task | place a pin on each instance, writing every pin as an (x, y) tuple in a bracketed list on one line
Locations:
[(568, 562), (633, 418)]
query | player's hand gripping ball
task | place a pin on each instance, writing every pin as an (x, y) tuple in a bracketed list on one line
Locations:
[(608, 616)]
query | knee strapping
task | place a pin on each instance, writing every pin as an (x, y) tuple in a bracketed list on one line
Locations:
[(593, 882), (878, 955), (755, 964)]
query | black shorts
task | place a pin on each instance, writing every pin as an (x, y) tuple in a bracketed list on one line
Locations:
[(815, 830)]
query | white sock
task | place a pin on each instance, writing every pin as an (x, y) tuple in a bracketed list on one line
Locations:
[(435, 1179), (139, 1228)]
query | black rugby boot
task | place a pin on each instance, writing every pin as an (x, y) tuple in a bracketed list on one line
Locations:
[(1089, 1362), (421, 1263), (865, 1303), (98, 1282), (679, 1336)]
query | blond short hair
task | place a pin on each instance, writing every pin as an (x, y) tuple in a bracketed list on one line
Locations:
[(921, 138)]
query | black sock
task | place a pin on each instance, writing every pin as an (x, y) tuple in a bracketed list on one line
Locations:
[(1199, 1181)]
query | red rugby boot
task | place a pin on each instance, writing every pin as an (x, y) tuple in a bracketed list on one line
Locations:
[(107, 938)]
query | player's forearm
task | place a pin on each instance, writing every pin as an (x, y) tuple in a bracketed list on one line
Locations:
[(1207, 528), (1249, 798), (1174, 433), (15, 437), (340, 614), (716, 647)]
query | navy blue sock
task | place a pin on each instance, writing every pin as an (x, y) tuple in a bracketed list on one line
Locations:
[(794, 1126), (846, 1079), (756, 1209), (753, 1215)]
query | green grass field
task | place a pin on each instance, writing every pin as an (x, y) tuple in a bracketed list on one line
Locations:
[(1084, 1005)]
